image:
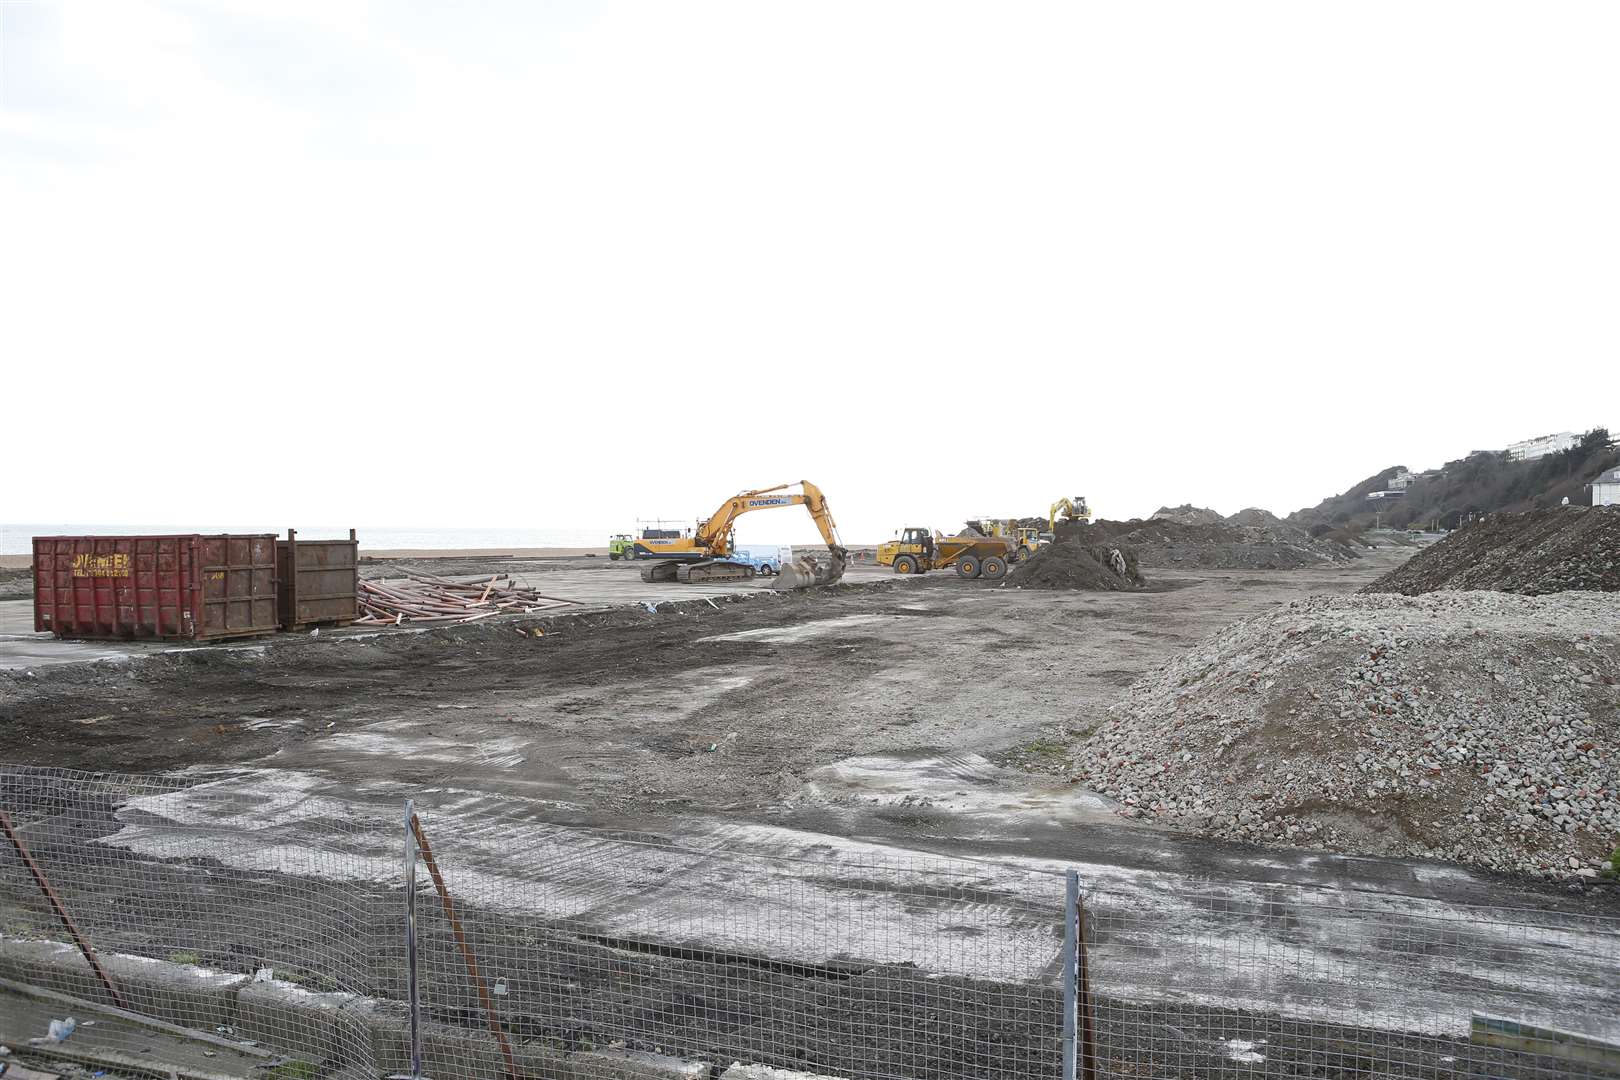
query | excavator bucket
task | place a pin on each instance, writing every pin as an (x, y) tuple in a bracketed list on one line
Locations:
[(810, 570)]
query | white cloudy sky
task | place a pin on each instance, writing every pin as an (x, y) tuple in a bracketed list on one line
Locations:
[(564, 264)]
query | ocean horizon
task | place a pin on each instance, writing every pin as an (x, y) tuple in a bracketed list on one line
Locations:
[(17, 539)]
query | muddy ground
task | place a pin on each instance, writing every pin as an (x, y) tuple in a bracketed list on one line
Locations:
[(834, 727), (920, 711), (616, 712)]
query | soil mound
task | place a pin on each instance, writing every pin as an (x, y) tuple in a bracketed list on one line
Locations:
[(17, 583), (1187, 514), (1256, 518), (1479, 727), (1217, 545), (1073, 565), (1559, 549)]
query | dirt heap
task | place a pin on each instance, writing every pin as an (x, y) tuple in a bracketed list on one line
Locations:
[(16, 584), (1256, 518), (980, 528), (1187, 514), (1554, 550), (1218, 545), (1479, 727), (1073, 565)]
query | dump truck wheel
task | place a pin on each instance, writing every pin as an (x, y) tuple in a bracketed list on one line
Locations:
[(613, 555), (967, 566), (994, 568), (905, 564)]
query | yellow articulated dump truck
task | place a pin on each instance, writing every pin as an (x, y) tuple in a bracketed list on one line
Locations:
[(917, 551)]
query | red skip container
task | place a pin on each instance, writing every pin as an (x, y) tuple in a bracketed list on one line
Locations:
[(186, 588)]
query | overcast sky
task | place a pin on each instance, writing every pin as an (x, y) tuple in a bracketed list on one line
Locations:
[(568, 264)]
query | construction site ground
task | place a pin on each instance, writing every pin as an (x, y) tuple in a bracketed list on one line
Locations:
[(882, 715)]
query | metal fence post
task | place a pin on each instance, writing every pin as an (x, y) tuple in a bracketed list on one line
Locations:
[(410, 939), (1088, 1013), (1071, 953)]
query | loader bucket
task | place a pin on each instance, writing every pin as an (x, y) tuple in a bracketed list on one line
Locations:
[(810, 570)]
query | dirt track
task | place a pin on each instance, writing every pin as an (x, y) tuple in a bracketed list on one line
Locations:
[(617, 712), (919, 711), (832, 727)]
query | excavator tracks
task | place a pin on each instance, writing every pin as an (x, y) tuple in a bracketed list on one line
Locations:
[(662, 570), (706, 570)]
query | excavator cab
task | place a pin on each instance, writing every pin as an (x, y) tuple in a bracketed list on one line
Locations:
[(910, 552)]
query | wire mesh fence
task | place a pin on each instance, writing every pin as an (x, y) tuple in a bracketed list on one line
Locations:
[(260, 920)]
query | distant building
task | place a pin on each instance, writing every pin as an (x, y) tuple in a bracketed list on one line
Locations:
[(1401, 480), (1542, 445), (1606, 489), (1374, 495)]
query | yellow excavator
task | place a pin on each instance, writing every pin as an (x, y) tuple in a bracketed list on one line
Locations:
[(1067, 510), (702, 556)]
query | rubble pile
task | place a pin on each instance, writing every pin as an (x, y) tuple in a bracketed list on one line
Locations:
[(1479, 727), (425, 598), (1543, 551), (1217, 545), (1187, 514), (16, 584), (1073, 565), (1256, 518)]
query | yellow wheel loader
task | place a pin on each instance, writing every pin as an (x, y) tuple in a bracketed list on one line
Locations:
[(1026, 539), (703, 555)]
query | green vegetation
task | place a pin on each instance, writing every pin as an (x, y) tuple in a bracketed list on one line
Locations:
[(1046, 748), (184, 957), (295, 1070), (317, 981), (1484, 482)]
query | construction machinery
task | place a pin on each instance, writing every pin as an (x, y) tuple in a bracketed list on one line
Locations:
[(917, 551), (702, 555), (621, 546), (1068, 510), (1027, 539)]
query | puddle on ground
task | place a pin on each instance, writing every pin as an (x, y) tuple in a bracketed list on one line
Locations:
[(804, 631), (633, 704), (961, 784)]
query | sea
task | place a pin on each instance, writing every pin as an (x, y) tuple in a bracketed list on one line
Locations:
[(17, 539)]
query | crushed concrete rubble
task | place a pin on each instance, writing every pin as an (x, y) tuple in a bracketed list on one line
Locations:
[(1187, 514), (1478, 727), (1543, 551), (1256, 518), (1218, 545), (1073, 565)]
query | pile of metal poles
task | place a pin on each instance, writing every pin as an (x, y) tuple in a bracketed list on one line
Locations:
[(421, 599)]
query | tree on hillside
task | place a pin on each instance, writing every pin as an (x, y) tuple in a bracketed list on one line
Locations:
[(1484, 482)]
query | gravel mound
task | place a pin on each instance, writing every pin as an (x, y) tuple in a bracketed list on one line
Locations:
[(1256, 518), (16, 584), (1478, 727), (1543, 551), (1219, 545), (1187, 514), (1073, 565)]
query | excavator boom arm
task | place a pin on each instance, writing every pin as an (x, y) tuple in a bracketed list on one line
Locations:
[(715, 533)]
